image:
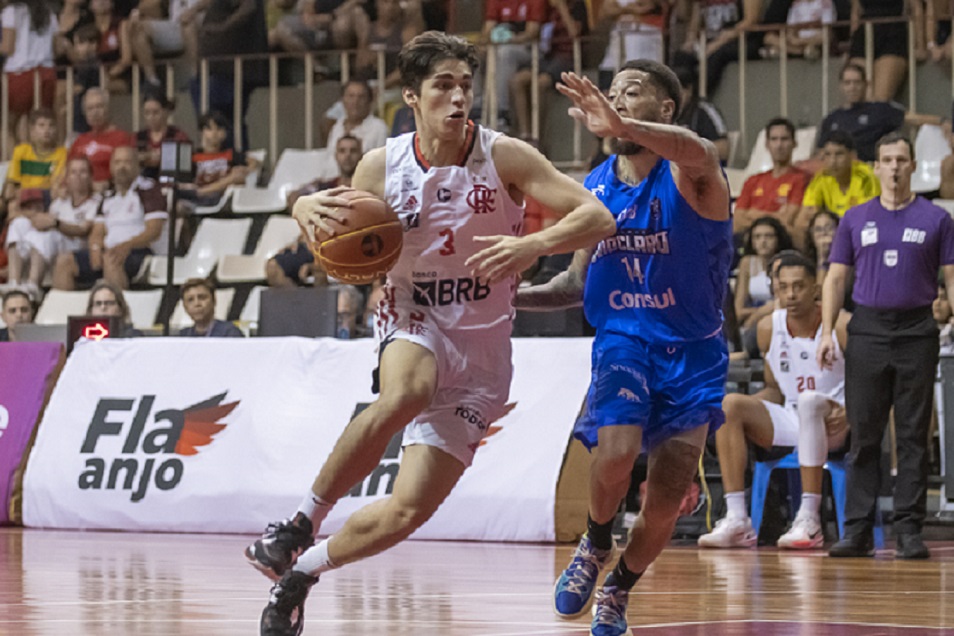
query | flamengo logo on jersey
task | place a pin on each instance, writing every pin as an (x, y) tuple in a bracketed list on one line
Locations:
[(449, 291), (482, 199), (410, 204), (174, 433)]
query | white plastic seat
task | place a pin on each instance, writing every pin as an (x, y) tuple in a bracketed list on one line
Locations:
[(759, 160), (143, 307), (213, 239), (249, 314), (279, 232), (294, 169), (58, 305), (930, 148), (804, 143), (223, 302), (947, 204)]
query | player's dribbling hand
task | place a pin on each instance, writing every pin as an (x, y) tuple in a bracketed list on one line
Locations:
[(312, 210), (826, 352), (504, 256), (590, 107)]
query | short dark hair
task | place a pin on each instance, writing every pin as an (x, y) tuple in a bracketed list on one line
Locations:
[(367, 87), (661, 77), (15, 293), (40, 113), (851, 66), (156, 96), (795, 259), (780, 121), (840, 138), (350, 138), (197, 282), (86, 33), (893, 138), (213, 117), (417, 58)]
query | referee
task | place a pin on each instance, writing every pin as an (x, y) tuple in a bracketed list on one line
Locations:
[(896, 243)]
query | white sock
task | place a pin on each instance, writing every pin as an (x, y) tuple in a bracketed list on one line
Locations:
[(810, 506), (735, 504), (316, 509), (315, 560)]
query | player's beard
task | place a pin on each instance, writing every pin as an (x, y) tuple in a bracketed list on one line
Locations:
[(625, 147)]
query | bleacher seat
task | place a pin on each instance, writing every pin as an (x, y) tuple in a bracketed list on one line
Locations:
[(223, 302), (235, 268), (58, 305), (930, 148), (213, 239), (253, 304), (947, 204), (143, 307), (294, 169), (804, 143)]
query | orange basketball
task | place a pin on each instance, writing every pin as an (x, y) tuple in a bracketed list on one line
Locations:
[(366, 246)]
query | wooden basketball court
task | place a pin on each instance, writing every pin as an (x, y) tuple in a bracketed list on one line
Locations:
[(104, 584)]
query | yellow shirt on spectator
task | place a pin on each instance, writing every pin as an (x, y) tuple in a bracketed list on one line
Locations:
[(824, 192), (29, 170)]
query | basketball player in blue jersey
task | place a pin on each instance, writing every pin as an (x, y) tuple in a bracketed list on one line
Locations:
[(443, 326), (654, 293)]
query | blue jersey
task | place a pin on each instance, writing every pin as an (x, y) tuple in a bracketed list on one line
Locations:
[(664, 274)]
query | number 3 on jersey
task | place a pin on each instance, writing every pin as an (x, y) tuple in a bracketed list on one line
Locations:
[(633, 270), (448, 247)]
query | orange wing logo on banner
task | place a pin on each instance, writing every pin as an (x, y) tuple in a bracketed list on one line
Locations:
[(202, 423)]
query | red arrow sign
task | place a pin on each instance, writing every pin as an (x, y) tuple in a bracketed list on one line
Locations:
[(95, 331)]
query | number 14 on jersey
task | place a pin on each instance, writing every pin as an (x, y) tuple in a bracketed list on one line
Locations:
[(633, 270)]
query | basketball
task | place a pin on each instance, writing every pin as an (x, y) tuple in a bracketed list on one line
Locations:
[(364, 248)]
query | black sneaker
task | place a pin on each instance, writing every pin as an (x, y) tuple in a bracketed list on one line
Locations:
[(279, 547), (859, 545), (285, 613), (911, 546)]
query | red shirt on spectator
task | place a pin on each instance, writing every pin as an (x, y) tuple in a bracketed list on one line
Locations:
[(519, 11), (98, 148), (768, 194)]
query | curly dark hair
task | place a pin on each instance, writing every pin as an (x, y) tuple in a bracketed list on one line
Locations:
[(783, 238)]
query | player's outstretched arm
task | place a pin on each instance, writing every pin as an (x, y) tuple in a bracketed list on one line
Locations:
[(584, 220), (698, 172), (563, 291)]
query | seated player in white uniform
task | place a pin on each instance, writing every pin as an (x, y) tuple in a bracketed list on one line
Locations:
[(801, 406), (443, 325)]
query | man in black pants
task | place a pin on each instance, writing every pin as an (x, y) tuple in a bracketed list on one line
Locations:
[(896, 243)]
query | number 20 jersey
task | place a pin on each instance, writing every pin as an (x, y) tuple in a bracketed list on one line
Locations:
[(795, 367), (663, 276), (442, 209)]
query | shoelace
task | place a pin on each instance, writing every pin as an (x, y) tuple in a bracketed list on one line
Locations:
[(611, 606), (582, 571)]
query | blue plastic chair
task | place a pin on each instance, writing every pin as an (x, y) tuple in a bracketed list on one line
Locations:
[(762, 472)]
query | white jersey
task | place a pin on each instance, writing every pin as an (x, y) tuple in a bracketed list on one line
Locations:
[(793, 363), (64, 210), (443, 209)]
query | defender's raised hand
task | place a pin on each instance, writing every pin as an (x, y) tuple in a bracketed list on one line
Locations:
[(590, 106)]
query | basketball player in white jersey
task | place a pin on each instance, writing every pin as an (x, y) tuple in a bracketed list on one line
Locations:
[(801, 406), (443, 326)]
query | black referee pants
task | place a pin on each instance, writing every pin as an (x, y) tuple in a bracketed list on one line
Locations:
[(891, 359)]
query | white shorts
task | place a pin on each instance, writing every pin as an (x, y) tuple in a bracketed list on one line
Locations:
[(26, 238), (474, 370), (166, 36), (784, 423)]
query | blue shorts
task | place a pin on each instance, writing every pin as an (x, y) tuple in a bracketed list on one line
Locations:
[(665, 388)]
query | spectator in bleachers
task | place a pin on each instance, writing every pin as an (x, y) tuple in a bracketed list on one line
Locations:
[(753, 289), (231, 28), (350, 306), (275, 12), (890, 45), (198, 299), (640, 24), (567, 20), (801, 40), (512, 24), (17, 309), (722, 21), (296, 264), (947, 172), (107, 299), (777, 192), (103, 138), (130, 218), (349, 21), (944, 317), (357, 120), (157, 30), (37, 163), (216, 166), (700, 115), (155, 114), (27, 43), (28, 249), (844, 182), (114, 50), (83, 57), (395, 24), (302, 30), (821, 233)]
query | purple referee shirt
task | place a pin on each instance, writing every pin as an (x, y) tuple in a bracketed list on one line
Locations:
[(896, 253)]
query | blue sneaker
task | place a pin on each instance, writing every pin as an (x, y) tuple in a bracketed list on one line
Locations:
[(573, 594), (609, 619)]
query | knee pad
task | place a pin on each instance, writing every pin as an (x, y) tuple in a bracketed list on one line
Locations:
[(812, 437)]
